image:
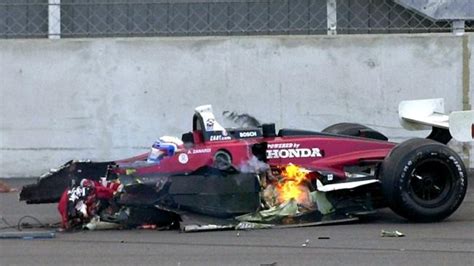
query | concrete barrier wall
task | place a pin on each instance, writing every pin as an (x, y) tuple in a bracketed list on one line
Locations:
[(105, 99)]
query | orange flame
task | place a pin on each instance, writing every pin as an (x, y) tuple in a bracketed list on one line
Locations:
[(291, 186)]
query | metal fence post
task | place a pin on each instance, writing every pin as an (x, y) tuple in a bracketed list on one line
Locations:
[(54, 19), (458, 27), (331, 7)]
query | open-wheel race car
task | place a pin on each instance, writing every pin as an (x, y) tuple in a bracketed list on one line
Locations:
[(258, 177)]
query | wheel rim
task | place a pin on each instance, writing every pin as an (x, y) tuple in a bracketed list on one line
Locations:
[(222, 160), (431, 182)]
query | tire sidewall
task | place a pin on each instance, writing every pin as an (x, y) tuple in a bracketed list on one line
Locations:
[(455, 194), (398, 168)]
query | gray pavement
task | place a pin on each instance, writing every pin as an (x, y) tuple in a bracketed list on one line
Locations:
[(447, 243)]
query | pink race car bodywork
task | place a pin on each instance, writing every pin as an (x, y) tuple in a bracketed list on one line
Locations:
[(205, 171), (317, 152)]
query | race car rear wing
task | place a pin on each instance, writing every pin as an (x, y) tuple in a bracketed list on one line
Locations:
[(422, 114)]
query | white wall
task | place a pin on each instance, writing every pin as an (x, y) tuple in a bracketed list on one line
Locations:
[(106, 99)]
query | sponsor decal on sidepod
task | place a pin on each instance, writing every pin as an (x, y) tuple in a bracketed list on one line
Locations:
[(291, 150)]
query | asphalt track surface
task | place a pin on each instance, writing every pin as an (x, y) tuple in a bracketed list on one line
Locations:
[(446, 243)]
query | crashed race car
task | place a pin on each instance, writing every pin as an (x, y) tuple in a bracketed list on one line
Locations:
[(243, 178)]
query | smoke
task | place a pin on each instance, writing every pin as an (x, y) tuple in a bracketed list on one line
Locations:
[(253, 165), (243, 120)]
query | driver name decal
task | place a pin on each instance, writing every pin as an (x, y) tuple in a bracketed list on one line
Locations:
[(291, 150), (198, 151)]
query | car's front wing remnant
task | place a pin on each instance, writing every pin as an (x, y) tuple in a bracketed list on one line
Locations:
[(51, 185)]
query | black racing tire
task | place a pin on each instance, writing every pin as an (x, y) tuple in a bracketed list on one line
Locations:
[(222, 160), (423, 180)]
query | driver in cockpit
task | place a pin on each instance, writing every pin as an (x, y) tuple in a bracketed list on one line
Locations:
[(164, 146)]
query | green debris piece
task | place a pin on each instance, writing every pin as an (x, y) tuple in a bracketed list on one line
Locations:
[(130, 171), (289, 208), (324, 206)]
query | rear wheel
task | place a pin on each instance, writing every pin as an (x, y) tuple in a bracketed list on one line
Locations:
[(423, 181), (354, 129), (349, 129)]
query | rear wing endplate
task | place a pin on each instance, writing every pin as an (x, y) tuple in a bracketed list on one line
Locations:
[(423, 114)]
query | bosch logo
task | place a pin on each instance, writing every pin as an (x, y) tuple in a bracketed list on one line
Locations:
[(248, 134)]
